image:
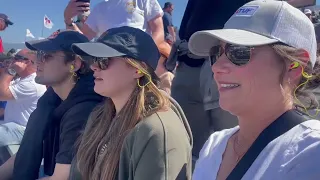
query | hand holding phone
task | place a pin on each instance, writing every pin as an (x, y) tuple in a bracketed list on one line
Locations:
[(74, 8)]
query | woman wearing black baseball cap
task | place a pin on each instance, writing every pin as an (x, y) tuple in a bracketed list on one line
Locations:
[(139, 133)]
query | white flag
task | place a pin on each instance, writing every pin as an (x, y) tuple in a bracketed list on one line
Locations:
[(47, 22), (29, 34)]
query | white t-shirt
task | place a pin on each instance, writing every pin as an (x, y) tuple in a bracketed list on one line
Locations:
[(294, 155), (116, 13), (26, 93)]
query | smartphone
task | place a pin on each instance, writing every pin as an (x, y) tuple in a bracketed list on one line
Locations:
[(83, 1), (88, 1)]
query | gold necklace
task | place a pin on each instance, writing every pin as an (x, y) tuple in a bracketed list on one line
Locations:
[(239, 156)]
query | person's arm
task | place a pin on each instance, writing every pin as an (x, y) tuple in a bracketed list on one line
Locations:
[(5, 93), (6, 170), (153, 14), (156, 27), (74, 9), (61, 172)]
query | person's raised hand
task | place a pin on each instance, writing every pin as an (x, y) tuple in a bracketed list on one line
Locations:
[(74, 8)]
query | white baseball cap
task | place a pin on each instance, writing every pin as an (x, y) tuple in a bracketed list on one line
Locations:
[(307, 11), (257, 23)]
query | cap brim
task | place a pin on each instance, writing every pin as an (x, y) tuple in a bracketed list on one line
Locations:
[(42, 45), (201, 42), (95, 49), (9, 22)]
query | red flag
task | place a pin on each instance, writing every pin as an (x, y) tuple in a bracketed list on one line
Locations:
[(47, 22)]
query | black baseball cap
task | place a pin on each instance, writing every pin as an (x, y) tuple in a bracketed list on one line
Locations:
[(122, 41), (6, 19), (61, 40)]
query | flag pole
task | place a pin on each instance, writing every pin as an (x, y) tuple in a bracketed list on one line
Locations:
[(42, 31)]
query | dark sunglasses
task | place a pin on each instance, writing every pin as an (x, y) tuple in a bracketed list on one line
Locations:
[(43, 56), (237, 55), (102, 63), (19, 57)]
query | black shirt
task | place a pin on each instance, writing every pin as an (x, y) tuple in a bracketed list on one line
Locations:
[(205, 15), (53, 130)]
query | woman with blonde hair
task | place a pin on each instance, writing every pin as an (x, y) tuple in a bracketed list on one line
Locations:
[(265, 65), (139, 133)]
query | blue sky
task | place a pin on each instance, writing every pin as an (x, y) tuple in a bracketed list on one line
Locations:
[(29, 14)]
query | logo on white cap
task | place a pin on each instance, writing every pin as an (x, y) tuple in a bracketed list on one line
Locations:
[(246, 11)]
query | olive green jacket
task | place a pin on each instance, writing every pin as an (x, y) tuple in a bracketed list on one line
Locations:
[(157, 148)]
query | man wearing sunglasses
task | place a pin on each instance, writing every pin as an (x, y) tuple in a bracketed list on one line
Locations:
[(61, 114), (21, 95)]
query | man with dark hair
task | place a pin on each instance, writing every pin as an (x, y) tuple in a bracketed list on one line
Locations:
[(61, 114), (169, 31)]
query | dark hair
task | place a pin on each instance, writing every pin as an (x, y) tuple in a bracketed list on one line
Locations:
[(167, 5), (304, 93), (85, 67)]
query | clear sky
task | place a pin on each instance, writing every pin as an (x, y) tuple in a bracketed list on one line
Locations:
[(29, 14)]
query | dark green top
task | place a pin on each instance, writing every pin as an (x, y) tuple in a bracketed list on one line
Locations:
[(158, 148)]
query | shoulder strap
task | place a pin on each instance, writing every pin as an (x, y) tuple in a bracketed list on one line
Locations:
[(281, 125)]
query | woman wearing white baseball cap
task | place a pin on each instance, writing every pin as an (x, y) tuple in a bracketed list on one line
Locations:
[(265, 64)]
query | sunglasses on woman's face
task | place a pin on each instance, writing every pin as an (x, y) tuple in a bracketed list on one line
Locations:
[(237, 55), (102, 63)]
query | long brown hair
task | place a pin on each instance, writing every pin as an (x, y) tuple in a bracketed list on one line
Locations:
[(99, 151)]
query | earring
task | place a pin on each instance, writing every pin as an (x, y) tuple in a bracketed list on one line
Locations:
[(289, 81), (72, 70), (139, 71)]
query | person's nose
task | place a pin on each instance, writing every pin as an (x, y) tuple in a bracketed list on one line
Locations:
[(94, 67), (222, 65)]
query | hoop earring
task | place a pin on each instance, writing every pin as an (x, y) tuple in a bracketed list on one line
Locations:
[(72, 71), (149, 81)]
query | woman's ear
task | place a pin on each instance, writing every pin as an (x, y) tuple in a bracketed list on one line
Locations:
[(77, 63), (138, 74)]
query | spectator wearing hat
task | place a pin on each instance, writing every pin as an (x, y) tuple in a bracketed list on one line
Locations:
[(4, 22), (139, 133), (61, 114), (308, 13), (265, 65)]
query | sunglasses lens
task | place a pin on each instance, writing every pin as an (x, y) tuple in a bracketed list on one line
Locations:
[(102, 63), (238, 55), (216, 52), (40, 55)]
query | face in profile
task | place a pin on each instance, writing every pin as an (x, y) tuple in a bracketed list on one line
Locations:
[(3, 24), (52, 69), (114, 77), (244, 84)]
